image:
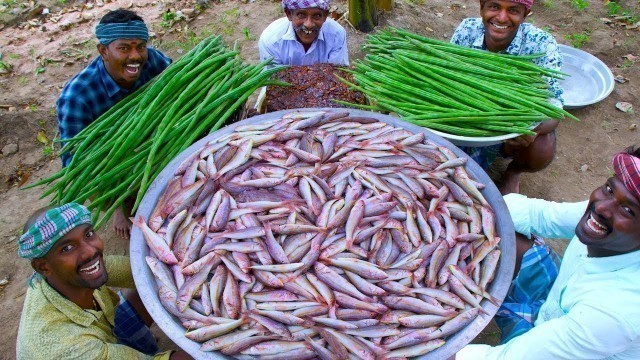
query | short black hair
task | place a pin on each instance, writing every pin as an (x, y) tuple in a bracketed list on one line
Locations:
[(119, 16), (634, 151)]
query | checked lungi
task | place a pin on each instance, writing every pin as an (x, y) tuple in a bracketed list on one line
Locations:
[(528, 291), (131, 330)]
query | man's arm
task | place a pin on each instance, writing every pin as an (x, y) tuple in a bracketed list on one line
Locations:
[(586, 332), (90, 347), (119, 270), (544, 218), (73, 116), (339, 55), (158, 61), (552, 59), (465, 33), (267, 51)]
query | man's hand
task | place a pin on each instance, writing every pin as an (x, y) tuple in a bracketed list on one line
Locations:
[(180, 355), (522, 140), (543, 128)]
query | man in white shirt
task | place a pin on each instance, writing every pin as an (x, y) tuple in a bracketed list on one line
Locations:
[(592, 310), (306, 36)]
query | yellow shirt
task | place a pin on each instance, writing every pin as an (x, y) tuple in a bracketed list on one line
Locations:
[(53, 327)]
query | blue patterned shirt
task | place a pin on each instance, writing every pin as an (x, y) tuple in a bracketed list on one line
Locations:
[(529, 40), (92, 92)]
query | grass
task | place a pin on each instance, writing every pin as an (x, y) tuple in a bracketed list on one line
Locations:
[(626, 64), (613, 8), (547, 3), (577, 40), (621, 14), (247, 34), (580, 4), (168, 18), (4, 67)]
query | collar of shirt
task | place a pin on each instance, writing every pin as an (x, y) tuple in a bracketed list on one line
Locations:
[(290, 35), (513, 48), (596, 265), (74, 312)]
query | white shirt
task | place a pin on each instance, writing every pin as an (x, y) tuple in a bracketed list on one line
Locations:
[(593, 309), (279, 41)]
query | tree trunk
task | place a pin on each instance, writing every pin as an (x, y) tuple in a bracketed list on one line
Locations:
[(363, 14), (385, 5)]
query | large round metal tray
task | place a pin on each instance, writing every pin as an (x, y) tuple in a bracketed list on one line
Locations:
[(148, 290), (590, 82)]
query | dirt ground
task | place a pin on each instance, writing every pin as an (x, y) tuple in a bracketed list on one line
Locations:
[(46, 42)]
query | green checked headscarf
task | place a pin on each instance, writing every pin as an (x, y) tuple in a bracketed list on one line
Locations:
[(56, 223)]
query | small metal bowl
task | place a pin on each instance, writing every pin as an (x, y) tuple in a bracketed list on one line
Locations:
[(590, 82)]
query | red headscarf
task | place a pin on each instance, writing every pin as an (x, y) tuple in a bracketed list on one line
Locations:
[(527, 3), (627, 169)]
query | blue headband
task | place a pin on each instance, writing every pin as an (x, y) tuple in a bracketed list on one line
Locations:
[(107, 33)]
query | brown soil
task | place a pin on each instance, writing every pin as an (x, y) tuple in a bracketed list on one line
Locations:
[(45, 54)]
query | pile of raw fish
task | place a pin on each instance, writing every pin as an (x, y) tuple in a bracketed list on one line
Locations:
[(322, 235)]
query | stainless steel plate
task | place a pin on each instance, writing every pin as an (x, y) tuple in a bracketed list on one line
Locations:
[(590, 82), (148, 289)]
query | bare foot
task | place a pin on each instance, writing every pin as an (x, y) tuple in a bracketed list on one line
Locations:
[(121, 224), (510, 183)]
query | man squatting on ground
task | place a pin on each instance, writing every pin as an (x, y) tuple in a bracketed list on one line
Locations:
[(501, 29), (306, 36), (68, 311), (124, 65), (591, 310)]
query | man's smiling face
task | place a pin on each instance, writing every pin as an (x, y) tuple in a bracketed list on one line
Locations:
[(75, 261), (501, 19), (611, 224), (123, 59), (307, 23)]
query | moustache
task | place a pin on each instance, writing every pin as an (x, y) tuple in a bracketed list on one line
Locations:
[(302, 27)]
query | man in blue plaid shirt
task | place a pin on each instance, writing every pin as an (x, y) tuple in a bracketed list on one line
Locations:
[(124, 65)]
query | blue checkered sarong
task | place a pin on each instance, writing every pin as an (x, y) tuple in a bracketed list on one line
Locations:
[(132, 331), (484, 156), (528, 291)]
